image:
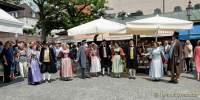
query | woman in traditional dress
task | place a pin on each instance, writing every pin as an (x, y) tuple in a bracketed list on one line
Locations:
[(34, 74), (197, 59), (66, 71), (117, 60), (95, 60), (156, 65)]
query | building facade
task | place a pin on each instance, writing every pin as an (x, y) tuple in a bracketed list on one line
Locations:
[(149, 6), (28, 16)]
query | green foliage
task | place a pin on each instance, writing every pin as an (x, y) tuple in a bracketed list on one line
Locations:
[(17, 2), (29, 31), (62, 14)]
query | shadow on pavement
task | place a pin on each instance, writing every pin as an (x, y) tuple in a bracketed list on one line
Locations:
[(17, 80), (161, 80)]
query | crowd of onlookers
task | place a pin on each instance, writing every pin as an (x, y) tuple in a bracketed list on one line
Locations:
[(38, 61)]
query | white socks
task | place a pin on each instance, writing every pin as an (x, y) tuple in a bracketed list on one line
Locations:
[(103, 71), (108, 71), (132, 72), (49, 76)]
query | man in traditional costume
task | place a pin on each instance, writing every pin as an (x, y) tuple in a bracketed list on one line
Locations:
[(48, 61), (175, 59), (83, 60), (131, 59), (105, 55)]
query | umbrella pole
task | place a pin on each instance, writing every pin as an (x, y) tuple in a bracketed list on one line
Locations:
[(157, 35), (136, 40), (102, 37)]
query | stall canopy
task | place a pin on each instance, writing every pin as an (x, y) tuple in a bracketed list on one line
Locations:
[(192, 34), (99, 26), (9, 24), (155, 24)]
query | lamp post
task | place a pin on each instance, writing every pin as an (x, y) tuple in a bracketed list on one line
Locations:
[(163, 6), (189, 14)]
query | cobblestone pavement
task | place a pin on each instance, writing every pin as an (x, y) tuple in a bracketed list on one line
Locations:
[(104, 88)]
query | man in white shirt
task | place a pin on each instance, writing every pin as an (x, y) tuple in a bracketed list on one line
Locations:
[(105, 55)]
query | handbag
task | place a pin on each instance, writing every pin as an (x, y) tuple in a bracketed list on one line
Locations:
[(164, 59)]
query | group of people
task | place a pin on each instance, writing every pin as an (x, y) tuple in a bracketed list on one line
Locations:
[(38, 61)]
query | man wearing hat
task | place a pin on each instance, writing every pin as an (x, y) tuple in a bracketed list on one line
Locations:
[(105, 55), (175, 59), (48, 61), (82, 59)]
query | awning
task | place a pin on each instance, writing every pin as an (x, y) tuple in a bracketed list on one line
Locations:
[(192, 34), (9, 24), (98, 26)]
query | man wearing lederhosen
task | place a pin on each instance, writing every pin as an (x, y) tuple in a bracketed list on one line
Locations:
[(131, 58), (48, 61)]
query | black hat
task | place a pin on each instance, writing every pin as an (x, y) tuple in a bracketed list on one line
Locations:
[(176, 34), (44, 42)]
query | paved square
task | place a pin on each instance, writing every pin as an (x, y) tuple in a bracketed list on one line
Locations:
[(104, 88)]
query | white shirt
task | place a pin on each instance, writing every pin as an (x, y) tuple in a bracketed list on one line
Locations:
[(189, 51), (104, 52)]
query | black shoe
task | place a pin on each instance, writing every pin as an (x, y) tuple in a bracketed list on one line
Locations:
[(49, 81), (88, 76), (43, 81), (134, 78), (173, 81), (83, 77)]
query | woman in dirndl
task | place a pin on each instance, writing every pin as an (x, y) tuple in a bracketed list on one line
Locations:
[(66, 72), (117, 60), (34, 74), (95, 60)]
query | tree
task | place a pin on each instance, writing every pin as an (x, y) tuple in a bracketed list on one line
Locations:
[(17, 2), (122, 15), (65, 14)]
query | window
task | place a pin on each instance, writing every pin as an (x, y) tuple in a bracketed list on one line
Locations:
[(197, 6), (33, 14), (12, 14), (139, 13), (16, 14), (157, 11), (177, 9)]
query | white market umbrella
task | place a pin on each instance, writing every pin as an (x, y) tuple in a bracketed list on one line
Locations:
[(152, 25), (99, 26), (9, 24)]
